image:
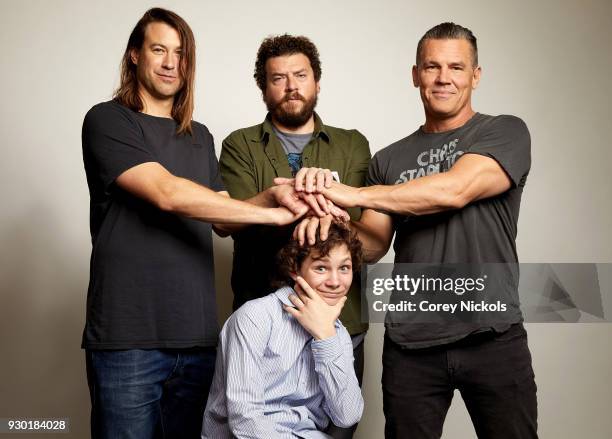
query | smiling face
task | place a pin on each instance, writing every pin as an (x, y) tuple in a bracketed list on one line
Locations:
[(291, 90), (158, 63), (331, 275), (446, 76)]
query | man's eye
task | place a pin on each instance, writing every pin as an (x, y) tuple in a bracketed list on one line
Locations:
[(320, 269), (346, 268), (157, 50)]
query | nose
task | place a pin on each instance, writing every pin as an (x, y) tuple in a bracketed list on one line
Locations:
[(333, 281), (169, 61), (443, 75), (291, 84)]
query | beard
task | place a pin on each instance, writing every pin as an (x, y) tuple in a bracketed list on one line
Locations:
[(292, 118)]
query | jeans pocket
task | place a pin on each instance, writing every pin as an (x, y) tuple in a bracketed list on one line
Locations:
[(515, 331)]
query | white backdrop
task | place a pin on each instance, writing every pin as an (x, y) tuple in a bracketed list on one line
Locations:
[(548, 62)]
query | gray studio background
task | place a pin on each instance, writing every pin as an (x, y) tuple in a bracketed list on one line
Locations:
[(548, 62)]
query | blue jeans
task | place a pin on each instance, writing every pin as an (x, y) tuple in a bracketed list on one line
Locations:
[(144, 394)]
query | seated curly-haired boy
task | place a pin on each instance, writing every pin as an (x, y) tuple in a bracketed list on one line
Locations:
[(285, 362)]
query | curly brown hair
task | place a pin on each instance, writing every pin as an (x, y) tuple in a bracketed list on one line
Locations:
[(281, 45), (290, 258)]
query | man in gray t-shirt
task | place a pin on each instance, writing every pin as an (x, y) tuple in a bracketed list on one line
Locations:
[(451, 194)]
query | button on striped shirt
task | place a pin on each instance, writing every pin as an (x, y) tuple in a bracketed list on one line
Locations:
[(272, 380)]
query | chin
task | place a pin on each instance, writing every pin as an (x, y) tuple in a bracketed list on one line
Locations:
[(332, 300), (293, 108), (443, 113)]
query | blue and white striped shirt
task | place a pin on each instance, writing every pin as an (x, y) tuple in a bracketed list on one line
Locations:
[(272, 380)]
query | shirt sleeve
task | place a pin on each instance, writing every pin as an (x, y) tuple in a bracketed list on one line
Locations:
[(506, 140), (358, 166), (112, 144), (333, 358), (237, 169), (375, 175), (216, 181), (243, 347), (359, 160)]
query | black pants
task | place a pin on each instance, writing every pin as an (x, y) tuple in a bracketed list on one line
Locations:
[(492, 371), (347, 433)]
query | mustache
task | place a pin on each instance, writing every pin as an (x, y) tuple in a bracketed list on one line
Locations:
[(294, 95)]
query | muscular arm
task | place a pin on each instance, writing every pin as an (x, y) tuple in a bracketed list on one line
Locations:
[(472, 178), (153, 183), (375, 231)]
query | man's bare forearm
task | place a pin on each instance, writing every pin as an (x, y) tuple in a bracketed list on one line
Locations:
[(374, 245), (422, 196), (262, 199), (186, 198)]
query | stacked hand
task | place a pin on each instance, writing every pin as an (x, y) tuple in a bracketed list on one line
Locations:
[(302, 203), (315, 189), (312, 312)]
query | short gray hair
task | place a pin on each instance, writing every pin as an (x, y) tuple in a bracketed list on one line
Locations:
[(449, 31)]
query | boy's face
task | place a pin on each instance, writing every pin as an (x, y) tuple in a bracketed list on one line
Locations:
[(331, 276)]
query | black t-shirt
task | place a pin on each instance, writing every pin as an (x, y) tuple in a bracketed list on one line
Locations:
[(151, 272), (482, 232)]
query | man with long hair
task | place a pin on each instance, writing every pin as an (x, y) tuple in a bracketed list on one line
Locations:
[(155, 188), (451, 193), (292, 136)]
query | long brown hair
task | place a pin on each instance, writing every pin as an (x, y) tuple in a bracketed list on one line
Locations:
[(127, 92)]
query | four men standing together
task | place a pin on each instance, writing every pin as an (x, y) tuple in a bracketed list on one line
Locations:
[(156, 188)]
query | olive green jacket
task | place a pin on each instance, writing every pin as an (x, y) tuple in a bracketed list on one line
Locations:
[(250, 160)]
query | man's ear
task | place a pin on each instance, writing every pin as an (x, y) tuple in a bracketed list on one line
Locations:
[(134, 56), (293, 275), (415, 76), (476, 77), (318, 87)]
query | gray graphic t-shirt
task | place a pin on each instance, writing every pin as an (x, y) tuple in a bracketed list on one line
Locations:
[(294, 145), (482, 232)]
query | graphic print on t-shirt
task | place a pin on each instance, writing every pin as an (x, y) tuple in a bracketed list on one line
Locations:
[(431, 160), (295, 162)]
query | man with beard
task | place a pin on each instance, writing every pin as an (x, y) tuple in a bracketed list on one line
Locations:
[(292, 136)]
